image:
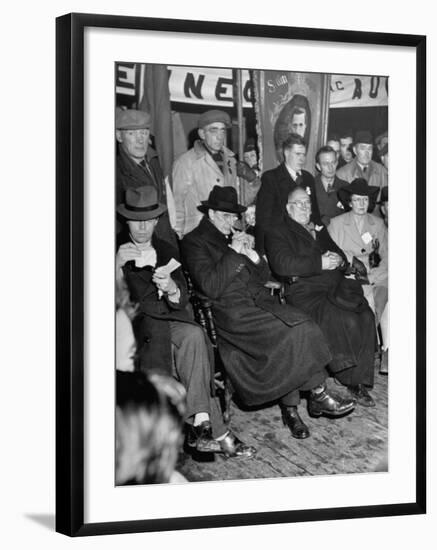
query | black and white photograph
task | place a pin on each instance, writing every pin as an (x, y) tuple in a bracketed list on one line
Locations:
[(225, 267), (251, 273)]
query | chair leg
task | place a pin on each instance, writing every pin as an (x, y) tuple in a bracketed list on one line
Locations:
[(227, 399)]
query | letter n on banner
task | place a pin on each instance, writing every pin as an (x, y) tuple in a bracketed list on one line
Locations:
[(282, 97)]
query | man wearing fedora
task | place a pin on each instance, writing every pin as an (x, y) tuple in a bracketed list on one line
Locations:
[(138, 164), (168, 339), (362, 166), (271, 351), (312, 267), (208, 163), (364, 236)]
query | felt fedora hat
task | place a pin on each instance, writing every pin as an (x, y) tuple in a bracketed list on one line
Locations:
[(141, 204), (224, 199), (359, 186)]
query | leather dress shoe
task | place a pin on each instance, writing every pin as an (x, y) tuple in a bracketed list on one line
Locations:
[(361, 395), (323, 403), (292, 419), (200, 437), (232, 447)]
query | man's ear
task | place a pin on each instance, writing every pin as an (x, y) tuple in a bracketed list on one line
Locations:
[(354, 149), (201, 133), (118, 136), (318, 167)]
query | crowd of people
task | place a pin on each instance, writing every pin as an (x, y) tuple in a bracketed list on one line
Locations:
[(232, 231)]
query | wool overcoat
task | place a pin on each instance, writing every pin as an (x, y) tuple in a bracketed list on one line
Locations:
[(272, 197), (131, 175), (152, 324), (349, 324), (268, 349)]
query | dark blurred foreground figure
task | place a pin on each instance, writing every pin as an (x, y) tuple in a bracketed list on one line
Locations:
[(304, 256), (271, 351), (169, 340), (148, 429)]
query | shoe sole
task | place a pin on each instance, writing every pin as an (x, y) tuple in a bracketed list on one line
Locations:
[(318, 414)]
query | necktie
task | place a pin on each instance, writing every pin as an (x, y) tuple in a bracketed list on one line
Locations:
[(299, 179), (330, 188), (364, 170), (146, 167)]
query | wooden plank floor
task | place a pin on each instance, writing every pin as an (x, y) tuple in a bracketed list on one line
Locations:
[(354, 444)]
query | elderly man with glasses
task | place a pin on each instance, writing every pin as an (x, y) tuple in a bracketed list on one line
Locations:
[(314, 270)]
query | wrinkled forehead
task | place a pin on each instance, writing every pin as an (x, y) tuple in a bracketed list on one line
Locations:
[(327, 157), (215, 126), (298, 194), (363, 146), (295, 148)]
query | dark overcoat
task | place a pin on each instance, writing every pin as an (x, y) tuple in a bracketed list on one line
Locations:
[(131, 175), (152, 322), (272, 197), (268, 349), (336, 303)]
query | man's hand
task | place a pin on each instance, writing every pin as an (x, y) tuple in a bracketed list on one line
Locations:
[(331, 260), (126, 253), (164, 282)]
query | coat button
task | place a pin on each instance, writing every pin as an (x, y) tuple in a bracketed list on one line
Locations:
[(147, 340)]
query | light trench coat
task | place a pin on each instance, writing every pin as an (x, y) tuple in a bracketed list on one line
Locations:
[(344, 232), (194, 175)]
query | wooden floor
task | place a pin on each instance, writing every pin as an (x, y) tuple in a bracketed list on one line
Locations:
[(354, 444)]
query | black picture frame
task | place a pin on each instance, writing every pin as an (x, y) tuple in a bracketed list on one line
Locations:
[(70, 488)]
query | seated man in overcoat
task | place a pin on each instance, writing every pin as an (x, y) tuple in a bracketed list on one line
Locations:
[(271, 351), (312, 267)]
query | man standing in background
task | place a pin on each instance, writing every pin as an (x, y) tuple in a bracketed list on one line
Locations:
[(208, 163)]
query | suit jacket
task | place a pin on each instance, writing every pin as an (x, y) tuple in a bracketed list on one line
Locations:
[(272, 197), (328, 203), (345, 233)]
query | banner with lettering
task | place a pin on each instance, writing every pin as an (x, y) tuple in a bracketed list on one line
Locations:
[(358, 91), (288, 102)]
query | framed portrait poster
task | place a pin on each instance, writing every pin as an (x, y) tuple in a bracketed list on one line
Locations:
[(149, 89)]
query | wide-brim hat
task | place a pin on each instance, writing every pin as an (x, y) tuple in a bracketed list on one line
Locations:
[(141, 204), (359, 186), (224, 199), (131, 119), (214, 115)]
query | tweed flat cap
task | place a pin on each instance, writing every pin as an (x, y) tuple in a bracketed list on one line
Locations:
[(131, 119), (215, 115)]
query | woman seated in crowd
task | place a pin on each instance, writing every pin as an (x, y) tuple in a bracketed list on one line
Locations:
[(363, 236), (270, 350), (311, 265)]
